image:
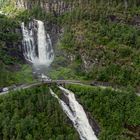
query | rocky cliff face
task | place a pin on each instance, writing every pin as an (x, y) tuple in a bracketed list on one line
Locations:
[(54, 6)]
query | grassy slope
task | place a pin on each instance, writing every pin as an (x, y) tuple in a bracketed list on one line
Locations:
[(21, 76)]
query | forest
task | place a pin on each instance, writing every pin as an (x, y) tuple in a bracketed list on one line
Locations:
[(117, 112), (33, 114)]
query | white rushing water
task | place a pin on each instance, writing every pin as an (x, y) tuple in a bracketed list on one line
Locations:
[(28, 44), (77, 115), (45, 50), (44, 45), (21, 4)]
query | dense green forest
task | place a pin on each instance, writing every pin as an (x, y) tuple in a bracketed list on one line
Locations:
[(117, 112), (33, 114)]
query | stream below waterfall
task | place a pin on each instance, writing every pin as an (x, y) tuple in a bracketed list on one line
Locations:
[(76, 114)]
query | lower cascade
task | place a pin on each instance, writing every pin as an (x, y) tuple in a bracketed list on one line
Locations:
[(76, 114)]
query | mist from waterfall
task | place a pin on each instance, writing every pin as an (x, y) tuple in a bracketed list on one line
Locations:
[(76, 114), (45, 55)]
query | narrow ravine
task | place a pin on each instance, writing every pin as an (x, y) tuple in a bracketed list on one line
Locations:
[(76, 114)]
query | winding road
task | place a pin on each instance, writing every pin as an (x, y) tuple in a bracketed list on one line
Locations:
[(26, 86), (58, 82)]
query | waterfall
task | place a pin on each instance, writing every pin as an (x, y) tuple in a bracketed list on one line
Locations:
[(41, 42), (45, 54), (37, 49), (20, 4), (28, 44), (76, 114), (45, 50)]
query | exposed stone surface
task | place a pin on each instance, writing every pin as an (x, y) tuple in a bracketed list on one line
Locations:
[(134, 131), (54, 6)]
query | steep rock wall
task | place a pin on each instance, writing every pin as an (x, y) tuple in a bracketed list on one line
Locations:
[(54, 6)]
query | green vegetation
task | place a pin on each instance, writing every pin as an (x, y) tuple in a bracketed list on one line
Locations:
[(63, 73), (61, 70), (114, 110), (32, 115), (106, 37), (17, 74), (12, 70), (104, 34), (100, 40)]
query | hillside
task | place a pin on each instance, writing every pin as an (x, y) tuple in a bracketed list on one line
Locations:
[(102, 42), (94, 42)]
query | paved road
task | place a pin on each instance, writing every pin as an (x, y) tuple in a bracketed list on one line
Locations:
[(26, 86)]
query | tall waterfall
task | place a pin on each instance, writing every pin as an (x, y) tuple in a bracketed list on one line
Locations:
[(77, 115), (45, 55)]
